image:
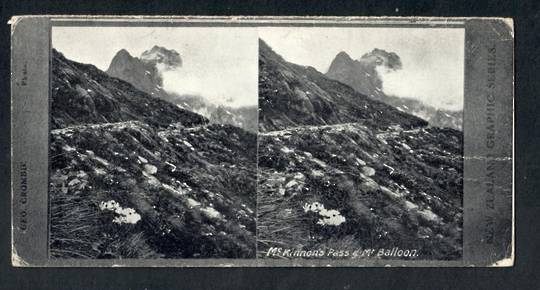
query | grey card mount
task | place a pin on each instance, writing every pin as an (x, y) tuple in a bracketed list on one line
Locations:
[(262, 141)]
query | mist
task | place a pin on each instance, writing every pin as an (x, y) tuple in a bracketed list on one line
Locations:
[(434, 87), (216, 86)]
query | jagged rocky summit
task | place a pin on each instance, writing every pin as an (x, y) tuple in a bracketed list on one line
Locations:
[(168, 58), (144, 72)]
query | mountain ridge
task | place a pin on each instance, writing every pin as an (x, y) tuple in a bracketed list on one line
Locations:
[(290, 94), (84, 94)]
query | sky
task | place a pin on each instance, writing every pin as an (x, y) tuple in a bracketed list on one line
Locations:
[(432, 58), (219, 64)]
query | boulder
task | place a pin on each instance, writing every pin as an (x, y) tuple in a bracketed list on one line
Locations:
[(368, 171), (369, 185), (150, 169)]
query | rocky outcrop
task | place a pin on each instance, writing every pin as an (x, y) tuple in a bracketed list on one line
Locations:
[(161, 56)]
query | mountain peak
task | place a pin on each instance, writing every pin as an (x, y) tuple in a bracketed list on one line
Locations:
[(122, 58), (342, 62), (122, 54), (362, 76), (123, 51), (141, 74), (161, 55), (342, 55)]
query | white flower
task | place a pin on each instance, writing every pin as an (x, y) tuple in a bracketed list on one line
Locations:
[(327, 217), (125, 215), (331, 217)]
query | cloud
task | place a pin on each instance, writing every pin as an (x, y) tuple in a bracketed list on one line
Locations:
[(437, 86), (219, 87)]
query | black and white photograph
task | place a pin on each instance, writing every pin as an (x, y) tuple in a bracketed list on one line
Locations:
[(361, 143), (243, 141), (153, 142)]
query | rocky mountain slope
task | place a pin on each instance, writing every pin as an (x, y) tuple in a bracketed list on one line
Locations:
[(362, 75), (292, 95), (145, 73), (133, 176), (84, 94), (338, 170)]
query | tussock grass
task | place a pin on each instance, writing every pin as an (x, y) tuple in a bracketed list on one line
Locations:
[(280, 223), (80, 230), (72, 229)]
